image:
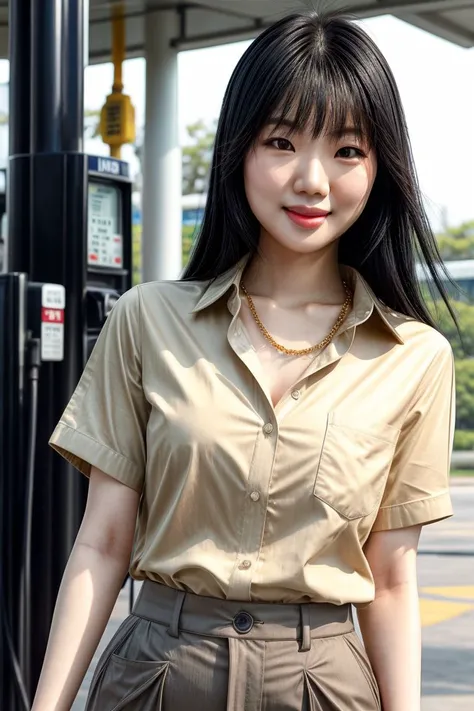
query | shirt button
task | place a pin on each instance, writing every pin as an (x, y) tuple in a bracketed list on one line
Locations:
[(255, 496), (295, 394), (268, 428), (238, 331), (245, 565)]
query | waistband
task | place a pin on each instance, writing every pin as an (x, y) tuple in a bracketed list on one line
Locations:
[(215, 617)]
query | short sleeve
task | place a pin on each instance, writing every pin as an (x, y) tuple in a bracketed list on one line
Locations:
[(417, 489), (104, 424)]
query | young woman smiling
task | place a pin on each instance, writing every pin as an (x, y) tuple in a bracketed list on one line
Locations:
[(266, 436)]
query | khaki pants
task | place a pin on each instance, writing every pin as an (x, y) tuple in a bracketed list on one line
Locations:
[(184, 652)]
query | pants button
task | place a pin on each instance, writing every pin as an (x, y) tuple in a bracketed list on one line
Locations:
[(243, 622)]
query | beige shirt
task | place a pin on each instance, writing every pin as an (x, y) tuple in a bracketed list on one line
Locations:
[(244, 500)]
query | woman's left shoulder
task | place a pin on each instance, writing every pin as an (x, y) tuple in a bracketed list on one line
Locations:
[(417, 334)]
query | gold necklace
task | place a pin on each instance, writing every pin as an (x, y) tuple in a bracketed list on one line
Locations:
[(303, 351)]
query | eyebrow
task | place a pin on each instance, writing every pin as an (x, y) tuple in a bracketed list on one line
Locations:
[(346, 131)]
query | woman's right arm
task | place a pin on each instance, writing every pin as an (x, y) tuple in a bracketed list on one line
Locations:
[(91, 583)]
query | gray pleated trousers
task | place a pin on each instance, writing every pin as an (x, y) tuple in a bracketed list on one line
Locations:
[(184, 652)]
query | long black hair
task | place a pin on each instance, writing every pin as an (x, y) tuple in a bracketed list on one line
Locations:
[(316, 69)]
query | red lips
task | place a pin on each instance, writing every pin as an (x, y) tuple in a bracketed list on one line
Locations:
[(307, 211)]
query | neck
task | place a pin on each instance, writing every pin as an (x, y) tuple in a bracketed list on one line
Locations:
[(294, 279)]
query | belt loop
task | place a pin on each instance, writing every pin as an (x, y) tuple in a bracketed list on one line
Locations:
[(305, 642), (173, 629)]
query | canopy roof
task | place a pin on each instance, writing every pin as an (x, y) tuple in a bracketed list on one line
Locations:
[(205, 23)]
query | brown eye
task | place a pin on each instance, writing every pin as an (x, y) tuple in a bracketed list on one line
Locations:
[(348, 149), (281, 144)]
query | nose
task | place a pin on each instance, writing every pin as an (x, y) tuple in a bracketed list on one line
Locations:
[(312, 178)]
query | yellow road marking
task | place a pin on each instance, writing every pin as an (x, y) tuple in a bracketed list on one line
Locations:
[(433, 612), (460, 592)]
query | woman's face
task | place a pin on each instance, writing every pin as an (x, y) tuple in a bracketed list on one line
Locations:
[(307, 192)]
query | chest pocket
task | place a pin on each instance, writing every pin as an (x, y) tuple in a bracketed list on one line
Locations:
[(353, 466)]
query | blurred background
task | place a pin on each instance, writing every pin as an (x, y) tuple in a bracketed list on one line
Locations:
[(105, 148)]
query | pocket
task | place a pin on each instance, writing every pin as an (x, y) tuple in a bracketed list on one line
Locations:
[(360, 655), (129, 685), (124, 631), (353, 466)]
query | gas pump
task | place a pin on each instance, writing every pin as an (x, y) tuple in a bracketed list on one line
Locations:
[(34, 352), (32, 318), (109, 240)]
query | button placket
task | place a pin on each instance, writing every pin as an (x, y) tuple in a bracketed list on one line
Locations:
[(253, 520)]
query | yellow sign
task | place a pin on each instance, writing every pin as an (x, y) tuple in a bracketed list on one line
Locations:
[(117, 120)]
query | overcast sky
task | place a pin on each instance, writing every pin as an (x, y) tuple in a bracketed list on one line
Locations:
[(435, 78)]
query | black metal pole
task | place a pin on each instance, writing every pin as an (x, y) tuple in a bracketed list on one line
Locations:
[(47, 189), (72, 84), (46, 55), (18, 188), (20, 66)]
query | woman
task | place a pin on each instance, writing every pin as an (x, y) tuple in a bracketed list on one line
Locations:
[(277, 424)]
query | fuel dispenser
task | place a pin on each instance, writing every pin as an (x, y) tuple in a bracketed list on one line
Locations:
[(109, 240), (32, 318), (38, 492)]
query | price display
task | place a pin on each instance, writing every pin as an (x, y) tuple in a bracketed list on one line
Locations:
[(105, 241)]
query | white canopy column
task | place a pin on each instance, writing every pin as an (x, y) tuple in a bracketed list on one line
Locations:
[(161, 238)]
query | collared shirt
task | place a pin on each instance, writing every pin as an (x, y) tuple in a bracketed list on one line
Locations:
[(244, 500)]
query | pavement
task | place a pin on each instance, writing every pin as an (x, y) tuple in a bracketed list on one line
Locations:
[(446, 581), (446, 584)]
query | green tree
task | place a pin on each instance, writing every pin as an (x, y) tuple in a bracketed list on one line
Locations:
[(465, 316), (457, 242), (197, 155), (465, 395), (464, 365)]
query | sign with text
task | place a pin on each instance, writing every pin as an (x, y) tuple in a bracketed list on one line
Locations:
[(104, 243)]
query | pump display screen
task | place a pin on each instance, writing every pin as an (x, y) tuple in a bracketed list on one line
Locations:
[(105, 239)]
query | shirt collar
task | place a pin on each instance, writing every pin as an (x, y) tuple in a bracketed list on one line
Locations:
[(221, 285), (365, 303)]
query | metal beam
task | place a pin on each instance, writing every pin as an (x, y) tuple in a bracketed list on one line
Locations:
[(212, 39), (441, 27), (365, 10), (394, 7), (223, 10), (130, 14), (420, 13)]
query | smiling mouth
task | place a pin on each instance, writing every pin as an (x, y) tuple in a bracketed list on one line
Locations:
[(307, 211), (311, 221)]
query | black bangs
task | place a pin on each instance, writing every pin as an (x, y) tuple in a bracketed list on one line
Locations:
[(323, 101), (323, 72)]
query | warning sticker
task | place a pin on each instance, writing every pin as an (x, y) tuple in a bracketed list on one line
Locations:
[(52, 341), (52, 315), (53, 301), (104, 243), (53, 296)]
